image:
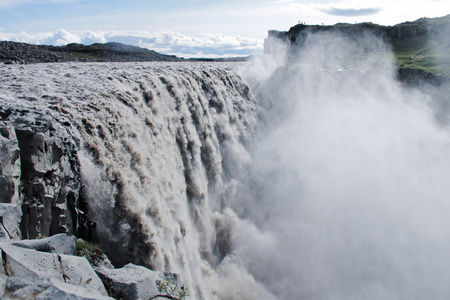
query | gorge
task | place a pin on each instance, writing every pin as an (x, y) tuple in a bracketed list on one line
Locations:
[(310, 172)]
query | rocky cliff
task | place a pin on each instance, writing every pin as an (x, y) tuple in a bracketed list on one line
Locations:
[(421, 48), (297, 34), (40, 170)]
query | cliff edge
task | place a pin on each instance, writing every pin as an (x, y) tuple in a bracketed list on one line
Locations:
[(421, 47)]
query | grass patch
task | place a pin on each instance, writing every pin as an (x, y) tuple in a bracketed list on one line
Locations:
[(430, 53), (93, 253)]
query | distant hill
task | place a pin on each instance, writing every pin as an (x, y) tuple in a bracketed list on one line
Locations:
[(419, 46), (13, 52)]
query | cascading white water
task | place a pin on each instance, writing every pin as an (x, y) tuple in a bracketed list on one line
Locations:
[(161, 144), (330, 183)]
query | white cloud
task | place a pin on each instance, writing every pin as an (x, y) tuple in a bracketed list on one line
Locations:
[(208, 45), (62, 37), (57, 38), (91, 37)]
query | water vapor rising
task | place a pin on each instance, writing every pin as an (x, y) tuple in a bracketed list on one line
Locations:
[(350, 176)]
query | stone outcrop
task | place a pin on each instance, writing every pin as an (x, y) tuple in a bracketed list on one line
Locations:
[(57, 244), (424, 41), (10, 218), (40, 171), (49, 269), (9, 164), (297, 34), (14, 287), (76, 270), (417, 77), (134, 282)]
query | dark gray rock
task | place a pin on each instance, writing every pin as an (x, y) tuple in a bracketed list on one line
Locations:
[(28, 263), (40, 170), (58, 244), (45, 288), (133, 282), (10, 217), (13, 52), (9, 164), (298, 34)]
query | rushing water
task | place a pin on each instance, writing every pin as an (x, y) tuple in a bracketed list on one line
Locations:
[(298, 175), (161, 147)]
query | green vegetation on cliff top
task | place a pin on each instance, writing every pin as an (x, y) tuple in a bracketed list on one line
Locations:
[(428, 49), (423, 44), (424, 53)]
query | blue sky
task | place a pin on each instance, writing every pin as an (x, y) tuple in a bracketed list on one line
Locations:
[(192, 28)]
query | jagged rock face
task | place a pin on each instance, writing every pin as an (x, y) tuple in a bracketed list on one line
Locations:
[(40, 171), (10, 217), (28, 263), (418, 77), (134, 282), (9, 164), (298, 34)]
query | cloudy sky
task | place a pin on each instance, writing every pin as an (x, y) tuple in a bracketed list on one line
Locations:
[(192, 28)]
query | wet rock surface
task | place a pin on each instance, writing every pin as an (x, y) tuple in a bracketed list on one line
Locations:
[(10, 218), (136, 282), (40, 171), (44, 288), (25, 263), (49, 269)]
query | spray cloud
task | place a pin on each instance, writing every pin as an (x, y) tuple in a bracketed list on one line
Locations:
[(350, 178)]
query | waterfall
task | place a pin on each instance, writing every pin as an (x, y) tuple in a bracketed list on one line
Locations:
[(310, 173), (161, 148)]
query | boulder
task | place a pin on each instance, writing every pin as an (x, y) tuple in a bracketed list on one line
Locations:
[(45, 288), (133, 282), (10, 218), (64, 268), (59, 244)]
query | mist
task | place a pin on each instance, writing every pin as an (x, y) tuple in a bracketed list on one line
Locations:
[(347, 193)]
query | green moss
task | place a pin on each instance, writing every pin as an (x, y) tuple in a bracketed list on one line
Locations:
[(171, 290), (93, 253)]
